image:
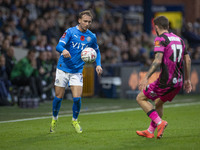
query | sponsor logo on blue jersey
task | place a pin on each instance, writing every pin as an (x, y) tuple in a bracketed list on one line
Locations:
[(79, 45)]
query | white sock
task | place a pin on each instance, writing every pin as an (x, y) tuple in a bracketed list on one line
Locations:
[(55, 118), (159, 122), (73, 119), (149, 131)]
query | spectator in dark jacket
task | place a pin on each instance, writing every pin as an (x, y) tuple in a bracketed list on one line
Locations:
[(192, 38), (10, 60), (5, 97)]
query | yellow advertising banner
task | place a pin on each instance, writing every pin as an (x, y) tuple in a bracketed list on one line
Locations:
[(175, 18)]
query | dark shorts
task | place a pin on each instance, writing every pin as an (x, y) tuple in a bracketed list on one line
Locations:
[(166, 93)]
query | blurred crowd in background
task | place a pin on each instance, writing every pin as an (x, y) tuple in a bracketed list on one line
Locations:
[(37, 26)]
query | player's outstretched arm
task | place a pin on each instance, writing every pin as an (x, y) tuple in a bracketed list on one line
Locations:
[(156, 63), (99, 69), (187, 69)]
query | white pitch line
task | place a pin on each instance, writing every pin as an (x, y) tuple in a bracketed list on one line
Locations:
[(100, 112)]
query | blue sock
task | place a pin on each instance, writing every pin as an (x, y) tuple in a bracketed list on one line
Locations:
[(56, 106), (76, 107)]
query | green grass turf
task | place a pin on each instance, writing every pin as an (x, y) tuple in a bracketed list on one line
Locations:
[(109, 131)]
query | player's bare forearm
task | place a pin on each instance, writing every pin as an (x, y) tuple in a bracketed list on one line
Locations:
[(156, 63), (187, 66)]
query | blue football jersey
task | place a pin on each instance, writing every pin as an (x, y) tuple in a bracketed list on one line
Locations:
[(75, 41)]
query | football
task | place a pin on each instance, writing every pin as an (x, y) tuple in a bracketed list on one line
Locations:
[(88, 55)]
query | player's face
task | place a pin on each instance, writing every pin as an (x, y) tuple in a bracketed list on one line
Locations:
[(84, 23)]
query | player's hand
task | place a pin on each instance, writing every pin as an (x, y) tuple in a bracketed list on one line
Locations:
[(143, 84), (99, 70), (66, 54), (187, 86)]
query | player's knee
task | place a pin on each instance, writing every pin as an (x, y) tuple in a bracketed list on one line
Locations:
[(138, 98), (141, 97), (59, 91), (59, 94)]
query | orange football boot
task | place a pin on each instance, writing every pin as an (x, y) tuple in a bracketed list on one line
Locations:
[(145, 133), (160, 128)]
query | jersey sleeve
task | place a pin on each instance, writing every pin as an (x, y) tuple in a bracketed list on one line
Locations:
[(184, 47), (158, 44), (95, 46), (65, 37), (63, 41)]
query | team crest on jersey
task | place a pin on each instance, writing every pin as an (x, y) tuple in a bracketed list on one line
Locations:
[(157, 43), (174, 80), (88, 38), (82, 38), (63, 36)]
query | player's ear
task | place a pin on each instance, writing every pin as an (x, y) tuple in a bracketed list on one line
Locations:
[(156, 27), (79, 20)]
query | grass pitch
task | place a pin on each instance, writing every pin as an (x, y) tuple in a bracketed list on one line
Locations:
[(103, 129)]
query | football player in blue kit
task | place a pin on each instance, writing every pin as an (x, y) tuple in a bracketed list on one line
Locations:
[(70, 66)]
